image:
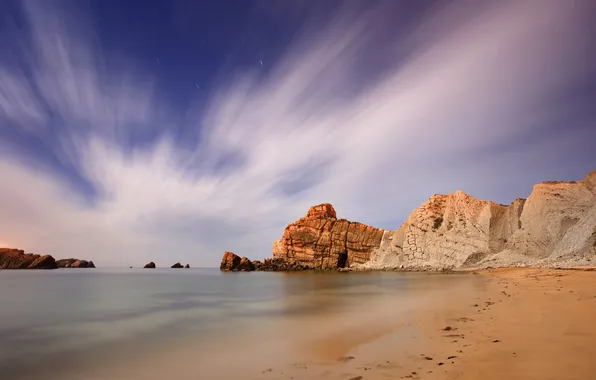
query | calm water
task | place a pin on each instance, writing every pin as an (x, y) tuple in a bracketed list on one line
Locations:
[(66, 318)]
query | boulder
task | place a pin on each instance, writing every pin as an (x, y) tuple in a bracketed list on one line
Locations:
[(150, 265), (245, 265), (177, 265), (229, 261), (187, 266)]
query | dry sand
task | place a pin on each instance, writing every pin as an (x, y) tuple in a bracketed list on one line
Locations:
[(519, 324)]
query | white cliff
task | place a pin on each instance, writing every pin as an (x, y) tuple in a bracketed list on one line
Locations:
[(556, 225)]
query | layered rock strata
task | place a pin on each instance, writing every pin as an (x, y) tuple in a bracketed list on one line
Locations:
[(555, 226), (321, 241)]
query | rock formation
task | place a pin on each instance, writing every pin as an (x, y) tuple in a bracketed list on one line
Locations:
[(74, 263), (11, 258), (229, 261), (555, 226), (321, 241), (150, 265), (187, 266), (17, 259), (177, 265)]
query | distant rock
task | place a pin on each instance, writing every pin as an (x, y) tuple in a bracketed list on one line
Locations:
[(74, 263), (229, 261), (11, 258), (151, 265), (177, 265), (43, 262), (187, 266), (245, 265)]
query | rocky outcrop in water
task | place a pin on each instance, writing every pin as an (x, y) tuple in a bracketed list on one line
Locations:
[(233, 262), (187, 266), (11, 258), (74, 263), (177, 265), (321, 241), (150, 265)]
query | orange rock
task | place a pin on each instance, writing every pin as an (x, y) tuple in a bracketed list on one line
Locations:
[(17, 259), (230, 261), (321, 241)]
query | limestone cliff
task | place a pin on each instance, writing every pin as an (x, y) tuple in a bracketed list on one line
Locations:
[(556, 223), (321, 241)]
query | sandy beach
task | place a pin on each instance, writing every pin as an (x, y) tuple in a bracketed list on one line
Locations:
[(520, 324)]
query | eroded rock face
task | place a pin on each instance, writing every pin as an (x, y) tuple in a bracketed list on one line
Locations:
[(321, 241), (11, 258), (557, 222)]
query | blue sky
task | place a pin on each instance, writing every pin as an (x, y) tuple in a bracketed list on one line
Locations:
[(174, 130)]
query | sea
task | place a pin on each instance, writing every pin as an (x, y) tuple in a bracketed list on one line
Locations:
[(198, 323)]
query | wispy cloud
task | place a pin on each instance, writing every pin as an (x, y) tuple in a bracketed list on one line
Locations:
[(350, 114)]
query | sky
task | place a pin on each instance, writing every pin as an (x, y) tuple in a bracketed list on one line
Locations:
[(175, 130)]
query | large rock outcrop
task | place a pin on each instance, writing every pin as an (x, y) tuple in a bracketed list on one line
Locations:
[(321, 241), (11, 258), (556, 225)]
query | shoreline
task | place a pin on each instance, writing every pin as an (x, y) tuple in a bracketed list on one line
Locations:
[(527, 323)]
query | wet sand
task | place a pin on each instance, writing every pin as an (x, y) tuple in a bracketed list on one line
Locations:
[(525, 324)]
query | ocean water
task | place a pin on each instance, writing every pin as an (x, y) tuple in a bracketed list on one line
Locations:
[(98, 323)]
